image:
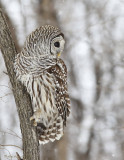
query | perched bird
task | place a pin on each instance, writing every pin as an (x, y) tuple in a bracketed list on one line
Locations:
[(44, 74)]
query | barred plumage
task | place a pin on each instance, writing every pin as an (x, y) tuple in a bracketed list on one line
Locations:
[(44, 74)]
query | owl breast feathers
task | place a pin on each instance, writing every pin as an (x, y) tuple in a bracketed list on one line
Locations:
[(44, 74)]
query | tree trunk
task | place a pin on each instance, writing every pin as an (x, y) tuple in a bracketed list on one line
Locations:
[(22, 99)]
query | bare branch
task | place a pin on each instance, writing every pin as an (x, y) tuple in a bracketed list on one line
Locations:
[(22, 98)]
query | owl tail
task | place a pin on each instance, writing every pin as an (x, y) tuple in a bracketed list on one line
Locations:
[(52, 132)]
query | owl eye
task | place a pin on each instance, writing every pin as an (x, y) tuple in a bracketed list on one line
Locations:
[(57, 44)]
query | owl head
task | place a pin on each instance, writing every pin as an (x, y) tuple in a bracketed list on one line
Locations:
[(45, 41)]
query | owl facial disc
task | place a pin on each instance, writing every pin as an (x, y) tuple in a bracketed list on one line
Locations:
[(57, 45)]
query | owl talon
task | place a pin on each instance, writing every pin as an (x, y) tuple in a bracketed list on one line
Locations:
[(33, 119), (35, 123)]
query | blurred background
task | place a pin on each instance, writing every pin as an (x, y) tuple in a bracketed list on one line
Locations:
[(94, 55)]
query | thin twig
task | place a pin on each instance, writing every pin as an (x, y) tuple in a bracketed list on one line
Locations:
[(11, 134), (14, 133), (7, 94), (5, 73), (10, 145), (8, 152)]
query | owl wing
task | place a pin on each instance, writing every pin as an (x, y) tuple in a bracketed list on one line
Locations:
[(32, 66), (39, 65), (61, 91)]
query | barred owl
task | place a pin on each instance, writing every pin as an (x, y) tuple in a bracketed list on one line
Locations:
[(44, 74)]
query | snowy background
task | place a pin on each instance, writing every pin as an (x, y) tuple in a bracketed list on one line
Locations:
[(94, 55)]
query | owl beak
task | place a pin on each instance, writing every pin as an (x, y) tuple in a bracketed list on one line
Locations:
[(58, 54)]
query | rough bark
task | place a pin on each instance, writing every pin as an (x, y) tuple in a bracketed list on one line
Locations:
[(22, 99), (11, 27)]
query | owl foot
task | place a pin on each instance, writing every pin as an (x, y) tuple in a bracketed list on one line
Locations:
[(32, 118), (36, 118)]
